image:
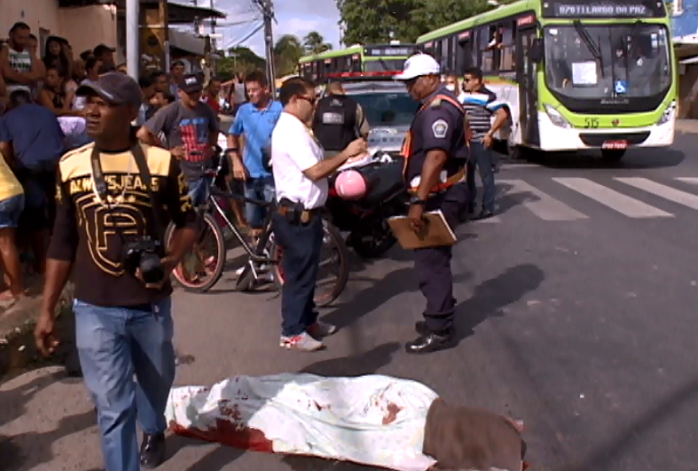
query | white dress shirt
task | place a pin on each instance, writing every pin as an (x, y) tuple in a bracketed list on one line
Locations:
[(294, 150)]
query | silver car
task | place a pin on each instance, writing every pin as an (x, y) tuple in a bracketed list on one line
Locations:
[(389, 110)]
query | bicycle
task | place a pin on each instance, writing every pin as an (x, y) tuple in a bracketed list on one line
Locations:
[(265, 253)]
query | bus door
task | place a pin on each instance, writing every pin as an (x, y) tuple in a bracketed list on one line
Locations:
[(528, 90)]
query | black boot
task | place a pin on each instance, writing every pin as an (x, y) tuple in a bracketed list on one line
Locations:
[(153, 450)]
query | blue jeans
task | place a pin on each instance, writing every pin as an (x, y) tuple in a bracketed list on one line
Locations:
[(262, 189), (481, 158), (114, 344), (300, 259), (10, 211), (199, 189)]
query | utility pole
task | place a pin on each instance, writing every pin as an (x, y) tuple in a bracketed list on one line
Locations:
[(132, 38), (267, 9)]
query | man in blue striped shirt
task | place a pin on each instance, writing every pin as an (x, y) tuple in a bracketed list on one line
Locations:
[(481, 105)]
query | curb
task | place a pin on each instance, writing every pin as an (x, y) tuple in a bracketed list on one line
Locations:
[(687, 126), (17, 348)]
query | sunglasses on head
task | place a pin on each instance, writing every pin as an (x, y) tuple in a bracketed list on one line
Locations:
[(312, 101)]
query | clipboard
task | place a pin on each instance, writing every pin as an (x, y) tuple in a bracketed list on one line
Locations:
[(435, 233)]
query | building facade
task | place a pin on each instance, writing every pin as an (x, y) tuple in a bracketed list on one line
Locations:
[(84, 26)]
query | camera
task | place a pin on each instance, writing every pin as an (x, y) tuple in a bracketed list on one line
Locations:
[(144, 254)]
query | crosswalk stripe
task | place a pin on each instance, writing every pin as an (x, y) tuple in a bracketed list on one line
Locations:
[(668, 193), (543, 205), (612, 199), (689, 180)]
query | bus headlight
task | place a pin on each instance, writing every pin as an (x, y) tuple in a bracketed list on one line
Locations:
[(668, 114), (556, 117)]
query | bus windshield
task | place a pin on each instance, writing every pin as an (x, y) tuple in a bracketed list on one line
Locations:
[(585, 61), (387, 109), (384, 65)]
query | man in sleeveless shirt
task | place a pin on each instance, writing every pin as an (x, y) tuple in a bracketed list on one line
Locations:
[(17, 64), (338, 120)]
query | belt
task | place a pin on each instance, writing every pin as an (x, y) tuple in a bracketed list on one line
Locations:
[(303, 217), (450, 181)]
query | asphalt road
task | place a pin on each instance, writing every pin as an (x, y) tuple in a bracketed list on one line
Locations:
[(576, 313)]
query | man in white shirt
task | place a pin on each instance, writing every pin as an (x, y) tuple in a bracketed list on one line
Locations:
[(300, 177)]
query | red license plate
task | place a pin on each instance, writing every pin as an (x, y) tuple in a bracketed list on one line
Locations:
[(615, 145)]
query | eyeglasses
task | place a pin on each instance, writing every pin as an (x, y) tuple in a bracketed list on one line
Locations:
[(312, 101)]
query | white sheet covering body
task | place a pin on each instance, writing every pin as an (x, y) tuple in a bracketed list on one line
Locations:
[(373, 420)]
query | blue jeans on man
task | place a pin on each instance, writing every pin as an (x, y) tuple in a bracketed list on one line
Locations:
[(115, 344), (199, 189), (481, 157), (260, 189)]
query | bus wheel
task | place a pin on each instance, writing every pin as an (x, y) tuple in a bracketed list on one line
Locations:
[(612, 155)]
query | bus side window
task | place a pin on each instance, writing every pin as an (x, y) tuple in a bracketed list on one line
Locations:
[(445, 56), (508, 47), (488, 33), (474, 49)]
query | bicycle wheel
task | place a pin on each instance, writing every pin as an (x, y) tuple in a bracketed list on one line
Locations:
[(202, 267), (334, 254)]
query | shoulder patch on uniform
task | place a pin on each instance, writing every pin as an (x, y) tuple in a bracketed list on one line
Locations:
[(440, 128)]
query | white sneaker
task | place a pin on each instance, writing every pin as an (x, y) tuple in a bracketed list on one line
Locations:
[(303, 342)]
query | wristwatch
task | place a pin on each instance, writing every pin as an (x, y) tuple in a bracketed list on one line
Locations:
[(416, 200)]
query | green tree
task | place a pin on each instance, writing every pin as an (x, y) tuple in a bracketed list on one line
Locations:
[(238, 60), (314, 43), (287, 50), (378, 21)]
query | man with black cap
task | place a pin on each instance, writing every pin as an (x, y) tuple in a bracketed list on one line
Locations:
[(191, 130), (436, 150), (115, 197)]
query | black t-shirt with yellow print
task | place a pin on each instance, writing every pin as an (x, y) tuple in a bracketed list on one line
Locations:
[(92, 233)]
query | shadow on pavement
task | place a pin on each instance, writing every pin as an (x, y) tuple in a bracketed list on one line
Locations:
[(608, 455), (13, 402), (356, 365), (26, 451), (491, 296), (635, 159)]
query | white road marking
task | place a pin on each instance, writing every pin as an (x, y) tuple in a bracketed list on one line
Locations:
[(663, 191), (689, 180), (612, 199), (542, 204)]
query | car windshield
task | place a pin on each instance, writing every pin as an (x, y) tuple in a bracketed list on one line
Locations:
[(387, 109), (607, 61), (384, 65)]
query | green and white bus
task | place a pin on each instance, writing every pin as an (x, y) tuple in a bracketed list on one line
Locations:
[(359, 60), (575, 74)]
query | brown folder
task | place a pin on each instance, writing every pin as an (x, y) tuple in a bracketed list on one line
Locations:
[(435, 233)]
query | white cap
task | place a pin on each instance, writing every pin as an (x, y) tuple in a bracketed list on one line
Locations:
[(418, 65)]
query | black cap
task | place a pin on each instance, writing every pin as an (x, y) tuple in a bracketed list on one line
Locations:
[(101, 49), (114, 88), (190, 83)]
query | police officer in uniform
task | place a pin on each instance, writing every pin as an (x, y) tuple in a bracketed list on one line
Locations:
[(436, 152), (338, 120)]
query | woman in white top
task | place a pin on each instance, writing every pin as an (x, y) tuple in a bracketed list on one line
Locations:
[(300, 177)]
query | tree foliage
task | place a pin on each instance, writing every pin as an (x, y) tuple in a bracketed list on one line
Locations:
[(378, 21), (287, 51), (238, 60), (314, 43)]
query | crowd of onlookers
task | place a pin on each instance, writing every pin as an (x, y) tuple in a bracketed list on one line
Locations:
[(41, 118)]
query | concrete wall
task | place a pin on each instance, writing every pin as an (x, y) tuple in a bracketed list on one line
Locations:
[(83, 27)]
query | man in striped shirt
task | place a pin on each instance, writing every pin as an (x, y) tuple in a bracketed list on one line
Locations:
[(481, 106)]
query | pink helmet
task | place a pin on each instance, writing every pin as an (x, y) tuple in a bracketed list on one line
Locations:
[(350, 185)]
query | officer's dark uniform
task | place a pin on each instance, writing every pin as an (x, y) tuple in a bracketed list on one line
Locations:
[(439, 124), (335, 123)]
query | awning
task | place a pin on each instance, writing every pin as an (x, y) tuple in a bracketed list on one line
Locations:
[(187, 42)]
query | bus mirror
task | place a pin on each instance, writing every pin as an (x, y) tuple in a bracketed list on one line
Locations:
[(536, 53)]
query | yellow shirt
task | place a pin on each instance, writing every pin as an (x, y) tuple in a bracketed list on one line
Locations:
[(9, 186)]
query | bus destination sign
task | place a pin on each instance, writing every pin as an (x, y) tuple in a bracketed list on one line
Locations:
[(608, 9), (394, 51)]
